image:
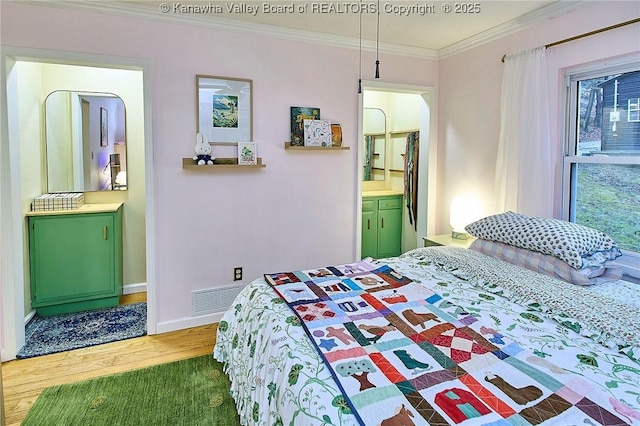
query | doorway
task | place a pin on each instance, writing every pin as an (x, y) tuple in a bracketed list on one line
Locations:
[(22, 168), (405, 109)]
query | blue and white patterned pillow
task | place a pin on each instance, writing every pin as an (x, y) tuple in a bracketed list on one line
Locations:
[(575, 244)]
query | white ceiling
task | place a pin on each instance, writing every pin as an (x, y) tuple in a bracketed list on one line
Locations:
[(426, 30)]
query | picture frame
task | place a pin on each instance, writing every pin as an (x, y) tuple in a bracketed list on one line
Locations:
[(104, 127), (247, 154), (225, 108)]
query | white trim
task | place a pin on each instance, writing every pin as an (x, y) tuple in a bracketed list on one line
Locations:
[(217, 22), (629, 262), (633, 107), (152, 12), (134, 288), (150, 206), (28, 317), (553, 10), (11, 242), (602, 67), (189, 322), (357, 167), (600, 159), (427, 159), (12, 258)]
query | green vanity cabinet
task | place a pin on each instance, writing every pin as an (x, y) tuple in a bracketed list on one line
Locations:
[(381, 226), (369, 228), (75, 258)]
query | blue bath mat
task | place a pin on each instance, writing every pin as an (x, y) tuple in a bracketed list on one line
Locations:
[(58, 333)]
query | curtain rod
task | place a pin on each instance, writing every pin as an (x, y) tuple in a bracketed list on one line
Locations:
[(601, 30)]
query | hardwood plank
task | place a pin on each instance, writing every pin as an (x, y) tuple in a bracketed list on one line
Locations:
[(24, 379), (133, 298)]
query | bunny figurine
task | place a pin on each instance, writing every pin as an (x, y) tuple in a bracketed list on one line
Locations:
[(203, 150)]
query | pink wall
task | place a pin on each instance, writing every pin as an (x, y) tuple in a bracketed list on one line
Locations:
[(300, 210), (470, 85), (297, 212)]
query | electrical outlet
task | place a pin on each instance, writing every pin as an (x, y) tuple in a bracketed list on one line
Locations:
[(237, 273)]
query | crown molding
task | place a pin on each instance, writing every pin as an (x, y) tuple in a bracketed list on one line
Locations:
[(153, 13), (208, 21), (550, 11)]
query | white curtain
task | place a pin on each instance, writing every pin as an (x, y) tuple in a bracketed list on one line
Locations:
[(525, 167)]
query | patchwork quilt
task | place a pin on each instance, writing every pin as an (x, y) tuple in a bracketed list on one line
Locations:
[(400, 358)]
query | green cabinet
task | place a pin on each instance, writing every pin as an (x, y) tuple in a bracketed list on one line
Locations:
[(381, 226), (75, 260)]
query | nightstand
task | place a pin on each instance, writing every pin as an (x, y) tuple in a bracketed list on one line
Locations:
[(447, 240)]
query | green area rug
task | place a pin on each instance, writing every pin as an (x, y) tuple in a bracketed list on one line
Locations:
[(184, 393)]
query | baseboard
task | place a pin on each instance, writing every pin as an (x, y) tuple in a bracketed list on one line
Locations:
[(28, 317), (183, 323), (134, 288)]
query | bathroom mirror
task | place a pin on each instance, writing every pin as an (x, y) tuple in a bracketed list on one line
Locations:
[(374, 129), (85, 142)]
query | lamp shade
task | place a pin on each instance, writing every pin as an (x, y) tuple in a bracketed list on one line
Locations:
[(464, 210), (121, 178)]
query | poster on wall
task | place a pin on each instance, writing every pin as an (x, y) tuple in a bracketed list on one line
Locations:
[(224, 108)]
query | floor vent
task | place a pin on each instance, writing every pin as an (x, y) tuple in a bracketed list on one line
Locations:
[(213, 300)]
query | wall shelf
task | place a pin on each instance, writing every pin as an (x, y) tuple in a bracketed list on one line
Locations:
[(287, 145), (220, 163)]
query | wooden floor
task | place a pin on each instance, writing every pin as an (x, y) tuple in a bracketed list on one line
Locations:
[(24, 379)]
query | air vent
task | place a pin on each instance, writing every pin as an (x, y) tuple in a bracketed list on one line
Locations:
[(213, 300)]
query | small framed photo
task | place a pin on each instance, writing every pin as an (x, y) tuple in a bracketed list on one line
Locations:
[(247, 154), (224, 107), (104, 127)]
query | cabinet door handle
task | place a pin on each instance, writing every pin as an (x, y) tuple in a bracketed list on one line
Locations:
[(382, 222), (368, 223), (104, 232)]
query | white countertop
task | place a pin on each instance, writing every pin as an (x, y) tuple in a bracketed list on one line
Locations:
[(381, 193), (85, 208)]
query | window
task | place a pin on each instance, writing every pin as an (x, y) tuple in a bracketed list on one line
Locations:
[(601, 171), (633, 109)]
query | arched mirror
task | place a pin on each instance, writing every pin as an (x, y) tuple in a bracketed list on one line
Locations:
[(85, 142), (374, 129)]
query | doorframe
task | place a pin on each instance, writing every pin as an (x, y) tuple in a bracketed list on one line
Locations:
[(12, 240), (427, 158)]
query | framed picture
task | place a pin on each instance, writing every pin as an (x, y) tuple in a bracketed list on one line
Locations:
[(247, 154), (224, 107), (104, 127)]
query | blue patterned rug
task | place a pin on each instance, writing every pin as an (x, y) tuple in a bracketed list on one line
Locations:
[(59, 333)]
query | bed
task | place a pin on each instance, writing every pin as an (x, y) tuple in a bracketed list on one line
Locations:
[(438, 335)]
